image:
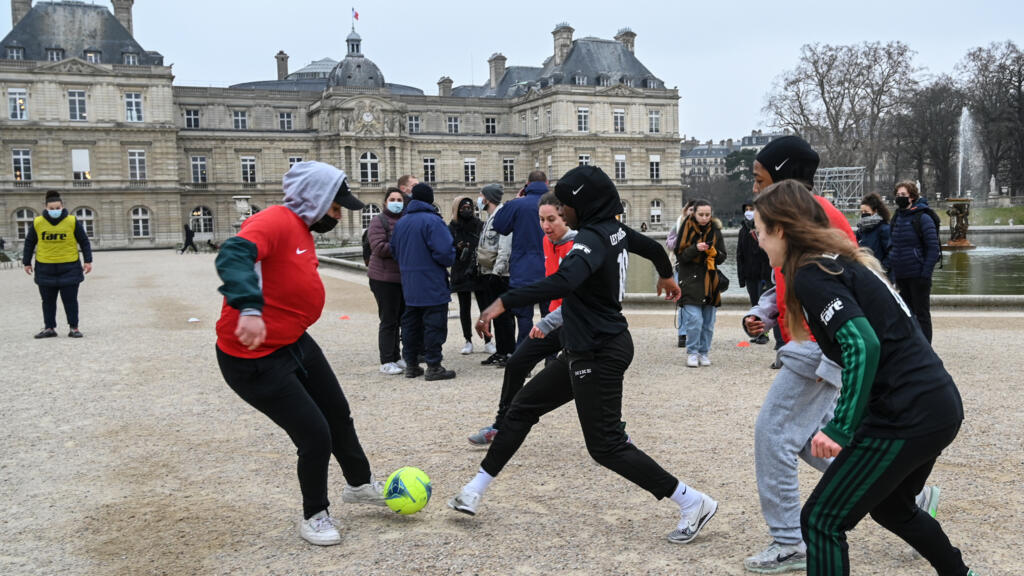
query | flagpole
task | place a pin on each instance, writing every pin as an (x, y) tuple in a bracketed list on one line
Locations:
[(352, 16)]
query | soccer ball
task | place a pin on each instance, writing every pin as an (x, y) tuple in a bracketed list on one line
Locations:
[(407, 490)]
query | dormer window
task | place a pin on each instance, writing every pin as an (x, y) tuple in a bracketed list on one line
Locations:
[(130, 59), (92, 56), (651, 83), (604, 81), (15, 53), (580, 80), (54, 54), (628, 82)]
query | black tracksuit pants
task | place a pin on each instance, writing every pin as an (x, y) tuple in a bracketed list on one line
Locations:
[(390, 307), (504, 325), (68, 295), (466, 311), (523, 360), (594, 382), (917, 293), (296, 388)]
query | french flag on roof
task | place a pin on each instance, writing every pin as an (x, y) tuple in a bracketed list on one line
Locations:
[(355, 15)]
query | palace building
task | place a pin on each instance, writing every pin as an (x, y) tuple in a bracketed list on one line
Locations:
[(86, 110)]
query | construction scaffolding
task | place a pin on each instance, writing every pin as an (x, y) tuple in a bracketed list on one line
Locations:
[(843, 186)]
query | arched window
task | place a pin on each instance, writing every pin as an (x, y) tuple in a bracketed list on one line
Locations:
[(655, 211), (369, 168), (23, 218), (201, 221), (140, 222), (369, 211), (88, 219)]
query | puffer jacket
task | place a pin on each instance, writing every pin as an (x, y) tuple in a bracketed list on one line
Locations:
[(913, 256), (383, 267)]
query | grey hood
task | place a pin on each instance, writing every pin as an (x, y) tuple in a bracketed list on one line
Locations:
[(309, 189)]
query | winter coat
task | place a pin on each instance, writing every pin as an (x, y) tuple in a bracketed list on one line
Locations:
[(466, 236), (695, 278), (494, 250), (913, 256), (520, 218), (423, 247), (751, 261), (874, 233), (383, 267)]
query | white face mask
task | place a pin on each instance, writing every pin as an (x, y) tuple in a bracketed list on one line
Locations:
[(749, 215), (481, 203)]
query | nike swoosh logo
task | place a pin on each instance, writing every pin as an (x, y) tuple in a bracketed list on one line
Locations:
[(576, 191), (781, 558), (779, 167), (297, 251)]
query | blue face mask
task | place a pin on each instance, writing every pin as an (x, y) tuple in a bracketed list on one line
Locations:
[(481, 203), (396, 207), (55, 213)]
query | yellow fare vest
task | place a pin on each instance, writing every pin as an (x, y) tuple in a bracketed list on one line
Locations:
[(57, 244)]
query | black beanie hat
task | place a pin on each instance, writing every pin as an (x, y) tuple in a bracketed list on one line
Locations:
[(423, 193), (789, 158)]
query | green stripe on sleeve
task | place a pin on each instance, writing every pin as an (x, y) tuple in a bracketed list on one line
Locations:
[(861, 349), (236, 266)]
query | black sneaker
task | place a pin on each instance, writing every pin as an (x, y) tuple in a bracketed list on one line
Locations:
[(438, 373), (47, 333), (775, 365), (413, 371), (490, 359), (682, 341), (74, 333), (501, 361), (762, 339)]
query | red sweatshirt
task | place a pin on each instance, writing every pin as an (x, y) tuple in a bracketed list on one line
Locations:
[(553, 255)]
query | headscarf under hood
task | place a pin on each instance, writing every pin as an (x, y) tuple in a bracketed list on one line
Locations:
[(309, 189), (589, 191)]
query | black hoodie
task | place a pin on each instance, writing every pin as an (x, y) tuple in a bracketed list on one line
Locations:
[(592, 276)]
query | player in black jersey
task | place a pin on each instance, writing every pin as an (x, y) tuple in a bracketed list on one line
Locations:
[(597, 349), (898, 407)]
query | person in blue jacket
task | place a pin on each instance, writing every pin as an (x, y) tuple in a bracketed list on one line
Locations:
[(873, 230), (914, 252), (520, 218), (424, 249)]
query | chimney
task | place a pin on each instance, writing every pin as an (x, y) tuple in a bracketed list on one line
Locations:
[(497, 64), (444, 86), (18, 10), (627, 37), (282, 65), (563, 42), (123, 13)]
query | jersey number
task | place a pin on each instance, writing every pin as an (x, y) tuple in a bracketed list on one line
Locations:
[(623, 266)]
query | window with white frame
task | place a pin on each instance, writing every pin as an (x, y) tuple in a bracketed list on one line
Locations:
[(248, 164), (92, 56), (367, 214), (580, 80), (619, 120), (536, 122), (522, 122), (549, 164), (130, 59), (469, 170), (88, 219), (201, 220), (508, 170), (490, 125), (54, 54), (369, 168), (620, 166), (136, 164), (429, 170), (293, 160), (133, 106), (584, 159), (284, 120), (413, 124), (22, 160), (453, 124), (583, 119), (23, 219), (628, 82), (654, 121), (605, 81), (655, 211), (76, 105), (15, 53), (655, 166), (140, 222), (199, 169), (192, 118), (240, 119), (17, 104), (80, 167), (651, 83), (547, 120)]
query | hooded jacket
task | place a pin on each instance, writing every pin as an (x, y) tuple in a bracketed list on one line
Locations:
[(423, 247), (466, 237), (913, 256), (520, 218), (270, 267)]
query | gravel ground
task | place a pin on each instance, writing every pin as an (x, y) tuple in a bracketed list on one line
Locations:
[(125, 452)]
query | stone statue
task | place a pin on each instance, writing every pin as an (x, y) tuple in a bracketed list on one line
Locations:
[(958, 220)]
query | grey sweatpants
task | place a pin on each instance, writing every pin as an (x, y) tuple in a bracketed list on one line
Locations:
[(797, 406)]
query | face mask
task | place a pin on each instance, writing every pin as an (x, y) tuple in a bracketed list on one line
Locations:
[(903, 201), (55, 213), (396, 207), (481, 203), (865, 214), (466, 214), (749, 214), (323, 225)]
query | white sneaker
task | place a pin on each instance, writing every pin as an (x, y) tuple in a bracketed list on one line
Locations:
[(466, 502), (468, 348), (704, 360), (490, 348), (692, 361), (691, 524), (320, 530), (400, 363), (778, 558), (391, 368), (369, 493)]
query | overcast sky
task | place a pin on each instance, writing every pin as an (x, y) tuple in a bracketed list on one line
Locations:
[(723, 56)]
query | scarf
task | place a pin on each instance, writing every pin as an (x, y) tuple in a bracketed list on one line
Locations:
[(692, 235)]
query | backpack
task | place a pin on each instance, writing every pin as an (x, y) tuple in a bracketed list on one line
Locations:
[(915, 220), (366, 238)]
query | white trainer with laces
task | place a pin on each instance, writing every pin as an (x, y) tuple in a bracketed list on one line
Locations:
[(468, 348), (466, 502), (369, 493), (704, 360), (391, 368), (691, 524), (400, 363), (692, 361), (778, 558), (490, 348), (320, 529)]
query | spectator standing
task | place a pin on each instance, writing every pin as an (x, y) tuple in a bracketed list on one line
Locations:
[(465, 228), (915, 251), (493, 260), (672, 242), (386, 282), (873, 230), (701, 250)]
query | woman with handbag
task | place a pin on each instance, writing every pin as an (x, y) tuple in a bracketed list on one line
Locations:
[(465, 228), (699, 252)]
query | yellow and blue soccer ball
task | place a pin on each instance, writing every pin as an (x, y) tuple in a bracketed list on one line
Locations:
[(407, 490)]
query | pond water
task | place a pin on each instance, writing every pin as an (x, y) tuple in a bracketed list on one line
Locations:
[(996, 266)]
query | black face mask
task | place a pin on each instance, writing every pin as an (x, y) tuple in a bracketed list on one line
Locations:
[(865, 214), (465, 214), (323, 225), (903, 201)]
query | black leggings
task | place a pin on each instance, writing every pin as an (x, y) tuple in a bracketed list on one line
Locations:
[(296, 388), (466, 312), (390, 307), (68, 295), (594, 381), (917, 293), (523, 360)]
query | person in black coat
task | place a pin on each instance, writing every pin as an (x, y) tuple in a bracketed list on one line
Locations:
[(190, 235), (465, 277), (873, 230), (752, 267)]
